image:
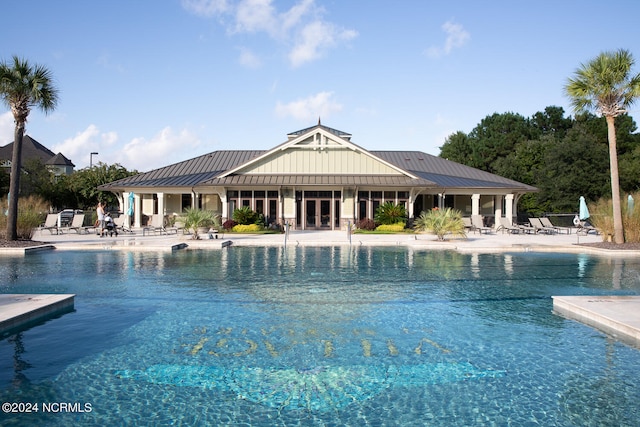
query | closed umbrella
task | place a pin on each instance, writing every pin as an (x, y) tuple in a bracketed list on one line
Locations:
[(131, 199), (584, 210), (130, 209)]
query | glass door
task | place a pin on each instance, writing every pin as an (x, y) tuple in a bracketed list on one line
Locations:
[(310, 213), (325, 213)]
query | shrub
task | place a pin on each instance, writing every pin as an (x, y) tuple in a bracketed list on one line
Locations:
[(245, 216), (441, 222), (366, 224), (246, 228), (602, 218), (197, 218), (31, 213), (229, 224), (391, 228), (389, 213)]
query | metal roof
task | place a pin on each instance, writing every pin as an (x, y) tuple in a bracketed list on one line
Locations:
[(315, 180), (446, 173), (205, 171)]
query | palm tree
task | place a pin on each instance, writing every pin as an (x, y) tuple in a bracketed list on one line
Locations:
[(23, 86), (605, 85)]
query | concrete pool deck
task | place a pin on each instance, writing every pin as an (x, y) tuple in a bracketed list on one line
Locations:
[(617, 315), (475, 242)]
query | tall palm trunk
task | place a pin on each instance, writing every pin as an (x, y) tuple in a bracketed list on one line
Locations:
[(14, 183), (618, 229)]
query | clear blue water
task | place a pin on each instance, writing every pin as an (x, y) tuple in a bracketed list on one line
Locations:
[(329, 336)]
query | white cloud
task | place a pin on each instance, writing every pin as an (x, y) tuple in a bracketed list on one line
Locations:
[(249, 59), (301, 25), (253, 16), (319, 105), (315, 39), (79, 148), (457, 37), (164, 148), (205, 8), (7, 128)]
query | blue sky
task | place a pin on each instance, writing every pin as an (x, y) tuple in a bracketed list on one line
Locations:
[(149, 83)]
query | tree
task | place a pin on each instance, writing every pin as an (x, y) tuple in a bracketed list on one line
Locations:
[(22, 87), (605, 85), (497, 135)]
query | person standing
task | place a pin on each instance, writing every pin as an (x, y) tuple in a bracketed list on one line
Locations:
[(100, 212)]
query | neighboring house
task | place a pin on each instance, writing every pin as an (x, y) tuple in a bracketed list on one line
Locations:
[(33, 150), (317, 179)]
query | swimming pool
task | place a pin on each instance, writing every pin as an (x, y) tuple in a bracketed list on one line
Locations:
[(318, 336)]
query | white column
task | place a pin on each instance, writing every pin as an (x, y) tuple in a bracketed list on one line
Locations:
[(475, 204), (509, 208), (161, 204), (497, 210), (137, 210)]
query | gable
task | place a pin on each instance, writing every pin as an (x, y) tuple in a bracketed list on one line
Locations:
[(318, 152)]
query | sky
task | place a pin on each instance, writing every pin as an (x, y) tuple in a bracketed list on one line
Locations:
[(147, 83)]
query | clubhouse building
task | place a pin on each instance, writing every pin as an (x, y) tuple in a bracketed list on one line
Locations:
[(316, 180)]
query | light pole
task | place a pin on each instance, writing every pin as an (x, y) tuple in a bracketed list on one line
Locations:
[(91, 158)]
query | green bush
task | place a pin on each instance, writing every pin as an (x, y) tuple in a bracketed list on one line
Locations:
[(389, 213), (32, 211), (391, 228), (246, 228), (197, 218), (441, 222), (246, 216)]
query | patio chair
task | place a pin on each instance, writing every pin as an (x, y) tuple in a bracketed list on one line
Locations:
[(121, 224), (478, 224), (157, 226), (585, 228), (546, 222), (50, 223), (77, 225), (468, 226), (506, 226), (537, 224)]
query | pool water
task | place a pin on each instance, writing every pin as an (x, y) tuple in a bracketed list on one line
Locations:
[(318, 336)]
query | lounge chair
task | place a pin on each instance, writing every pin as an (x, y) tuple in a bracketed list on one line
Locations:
[(157, 226), (547, 223), (50, 223), (478, 224), (505, 226), (585, 228), (540, 228), (121, 224), (467, 224), (77, 225)]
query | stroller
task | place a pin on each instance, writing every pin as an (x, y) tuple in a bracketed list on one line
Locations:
[(110, 226)]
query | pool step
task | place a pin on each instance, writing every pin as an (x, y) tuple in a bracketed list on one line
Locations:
[(17, 310), (616, 315)]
